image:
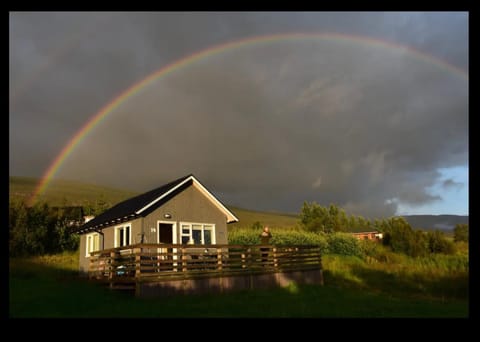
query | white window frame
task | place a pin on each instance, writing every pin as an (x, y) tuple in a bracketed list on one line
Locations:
[(190, 235), (90, 244), (117, 228)]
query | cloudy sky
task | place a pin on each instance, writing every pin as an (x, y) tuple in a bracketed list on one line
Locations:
[(368, 111)]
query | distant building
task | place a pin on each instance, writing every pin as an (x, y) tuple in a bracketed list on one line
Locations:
[(373, 235)]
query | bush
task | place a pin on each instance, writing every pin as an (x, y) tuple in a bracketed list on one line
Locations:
[(344, 244), (399, 235), (438, 243), (373, 250), (244, 236), (460, 232)]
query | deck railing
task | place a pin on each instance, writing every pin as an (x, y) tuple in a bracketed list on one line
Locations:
[(143, 262)]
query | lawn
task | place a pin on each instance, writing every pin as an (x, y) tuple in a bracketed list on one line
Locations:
[(49, 287)]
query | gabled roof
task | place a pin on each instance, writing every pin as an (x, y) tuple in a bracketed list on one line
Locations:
[(144, 204)]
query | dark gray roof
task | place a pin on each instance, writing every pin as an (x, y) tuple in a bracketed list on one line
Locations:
[(127, 209), (144, 204)]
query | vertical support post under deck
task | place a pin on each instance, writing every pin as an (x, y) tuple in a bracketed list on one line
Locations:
[(275, 262), (113, 258)]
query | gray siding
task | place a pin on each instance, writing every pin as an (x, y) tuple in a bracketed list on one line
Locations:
[(188, 206)]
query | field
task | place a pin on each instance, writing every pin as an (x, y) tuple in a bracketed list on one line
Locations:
[(49, 287)]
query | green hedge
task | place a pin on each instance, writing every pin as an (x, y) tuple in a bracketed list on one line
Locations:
[(344, 244), (336, 243)]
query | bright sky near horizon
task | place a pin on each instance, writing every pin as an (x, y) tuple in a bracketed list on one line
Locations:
[(367, 110)]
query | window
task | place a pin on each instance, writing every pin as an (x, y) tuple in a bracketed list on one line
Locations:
[(198, 233), (93, 243), (123, 236)]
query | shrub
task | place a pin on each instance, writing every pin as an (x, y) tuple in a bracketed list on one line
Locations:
[(244, 236), (438, 243), (460, 232), (399, 235), (344, 244)]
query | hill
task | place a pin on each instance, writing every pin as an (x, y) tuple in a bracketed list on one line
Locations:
[(436, 222), (248, 217), (64, 192), (72, 193)]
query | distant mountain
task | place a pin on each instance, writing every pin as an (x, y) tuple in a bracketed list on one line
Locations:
[(433, 222)]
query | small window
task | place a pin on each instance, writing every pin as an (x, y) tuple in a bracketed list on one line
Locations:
[(123, 236), (92, 243)]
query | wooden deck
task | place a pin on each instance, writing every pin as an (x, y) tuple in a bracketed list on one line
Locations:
[(156, 269)]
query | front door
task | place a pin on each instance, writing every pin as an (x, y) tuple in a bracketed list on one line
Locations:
[(166, 236), (165, 232)]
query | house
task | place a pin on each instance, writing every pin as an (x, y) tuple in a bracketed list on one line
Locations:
[(180, 212), (373, 235)]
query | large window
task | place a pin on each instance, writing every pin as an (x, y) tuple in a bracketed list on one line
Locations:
[(93, 243), (123, 235), (197, 233)]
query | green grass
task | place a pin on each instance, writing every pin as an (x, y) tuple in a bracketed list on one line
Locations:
[(438, 277), (49, 287)]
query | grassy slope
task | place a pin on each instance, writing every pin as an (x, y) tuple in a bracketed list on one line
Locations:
[(48, 287), (248, 217), (76, 193), (69, 192)]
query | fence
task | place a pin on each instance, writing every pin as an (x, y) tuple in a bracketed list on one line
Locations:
[(173, 260)]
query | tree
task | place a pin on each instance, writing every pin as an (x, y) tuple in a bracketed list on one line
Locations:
[(438, 243), (460, 232), (38, 230), (399, 235)]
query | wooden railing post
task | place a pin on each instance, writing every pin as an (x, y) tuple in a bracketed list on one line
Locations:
[(219, 258), (184, 260), (243, 261), (137, 252)]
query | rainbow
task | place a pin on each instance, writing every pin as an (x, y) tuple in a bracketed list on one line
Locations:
[(130, 92)]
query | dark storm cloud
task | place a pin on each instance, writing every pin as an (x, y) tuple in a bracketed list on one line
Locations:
[(265, 127)]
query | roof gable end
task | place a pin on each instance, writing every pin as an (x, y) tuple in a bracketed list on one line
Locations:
[(230, 216)]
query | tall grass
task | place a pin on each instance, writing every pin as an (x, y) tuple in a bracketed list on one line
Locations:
[(435, 276)]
